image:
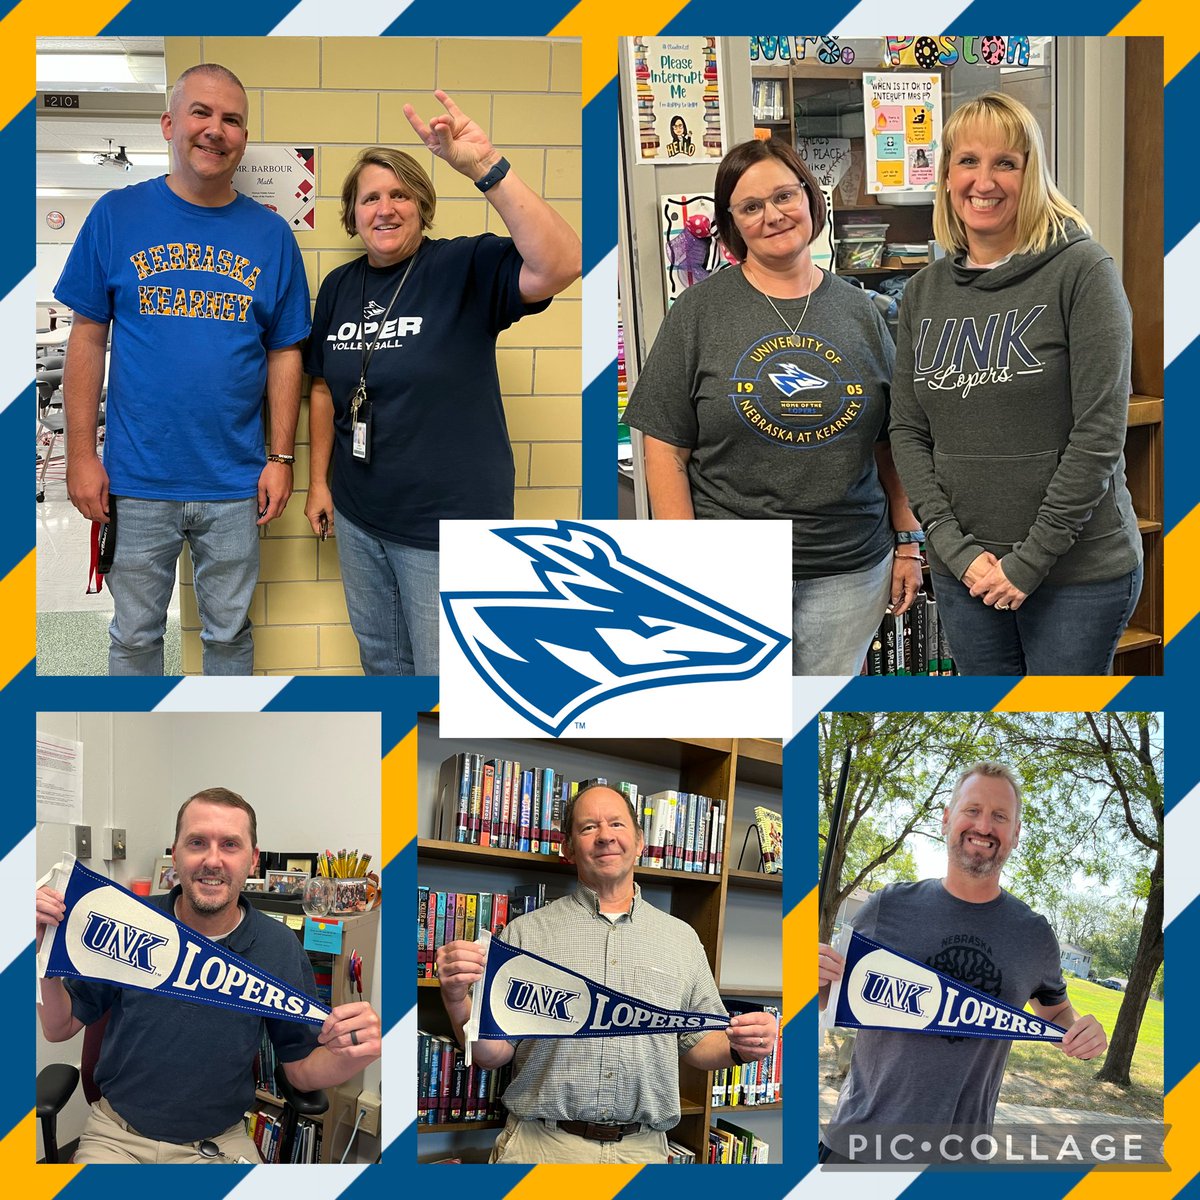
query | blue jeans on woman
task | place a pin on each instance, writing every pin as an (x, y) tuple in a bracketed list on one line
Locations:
[(223, 537), (392, 595), (835, 617), (1060, 629)]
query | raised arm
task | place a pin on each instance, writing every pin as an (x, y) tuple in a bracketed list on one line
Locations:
[(550, 250)]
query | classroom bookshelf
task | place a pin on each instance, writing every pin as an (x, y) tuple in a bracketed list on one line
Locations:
[(361, 933), (737, 913)]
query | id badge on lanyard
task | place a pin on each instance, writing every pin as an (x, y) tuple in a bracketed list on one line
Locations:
[(360, 431)]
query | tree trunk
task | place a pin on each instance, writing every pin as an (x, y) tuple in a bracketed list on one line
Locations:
[(1141, 978)]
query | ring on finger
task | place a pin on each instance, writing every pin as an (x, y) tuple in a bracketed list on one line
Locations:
[(353, 1038)]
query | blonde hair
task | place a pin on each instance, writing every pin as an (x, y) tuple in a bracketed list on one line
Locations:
[(1042, 210), (992, 770), (405, 168)]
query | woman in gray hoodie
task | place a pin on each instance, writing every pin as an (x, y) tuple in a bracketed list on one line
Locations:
[(1009, 407)]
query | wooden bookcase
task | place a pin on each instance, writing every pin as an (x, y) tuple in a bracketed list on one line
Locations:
[(361, 933), (736, 914)]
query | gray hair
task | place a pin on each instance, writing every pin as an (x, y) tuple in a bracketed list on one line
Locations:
[(992, 770)]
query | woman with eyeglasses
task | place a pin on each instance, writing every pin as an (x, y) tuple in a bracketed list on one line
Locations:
[(766, 395)]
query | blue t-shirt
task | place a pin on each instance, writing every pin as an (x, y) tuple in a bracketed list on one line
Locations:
[(196, 297), (439, 440), (178, 1071)]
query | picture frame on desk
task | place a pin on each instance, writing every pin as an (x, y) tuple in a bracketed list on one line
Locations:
[(254, 885), (165, 875), (286, 883)]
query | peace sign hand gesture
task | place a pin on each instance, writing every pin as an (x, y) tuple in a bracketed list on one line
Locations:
[(455, 139)]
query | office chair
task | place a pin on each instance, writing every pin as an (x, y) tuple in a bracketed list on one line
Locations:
[(57, 1082)]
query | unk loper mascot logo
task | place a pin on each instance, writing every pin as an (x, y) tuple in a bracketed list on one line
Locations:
[(793, 380), (540, 999), (601, 625), (900, 995)]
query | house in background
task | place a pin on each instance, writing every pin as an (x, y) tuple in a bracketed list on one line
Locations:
[(1075, 959)]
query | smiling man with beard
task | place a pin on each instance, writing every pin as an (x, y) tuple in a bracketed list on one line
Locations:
[(173, 1073), (968, 927)]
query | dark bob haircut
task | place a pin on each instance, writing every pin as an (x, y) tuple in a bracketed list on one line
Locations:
[(736, 163)]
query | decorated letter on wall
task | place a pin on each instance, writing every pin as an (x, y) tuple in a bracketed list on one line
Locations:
[(677, 100), (283, 179), (902, 112), (692, 251)]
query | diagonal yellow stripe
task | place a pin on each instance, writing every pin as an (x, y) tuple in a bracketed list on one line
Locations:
[(17, 619), (399, 821), (18, 1157), (1168, 20), (799, 962), (1180, 548), (554, 1182), (600, 23), (64, 18), (1182, 1153), (1062, 693)]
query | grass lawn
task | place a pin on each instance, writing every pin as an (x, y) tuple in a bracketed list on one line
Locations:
[(1041, 1074)]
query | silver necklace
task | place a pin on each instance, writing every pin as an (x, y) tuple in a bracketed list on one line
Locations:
[(812, 287)]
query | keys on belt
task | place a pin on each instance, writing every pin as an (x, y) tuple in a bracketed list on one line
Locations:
[(598, 1133)]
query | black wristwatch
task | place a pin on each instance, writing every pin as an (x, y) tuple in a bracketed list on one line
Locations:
[(905, 537), (494, 176)]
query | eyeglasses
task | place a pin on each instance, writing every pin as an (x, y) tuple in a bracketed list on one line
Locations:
[(786, 199)]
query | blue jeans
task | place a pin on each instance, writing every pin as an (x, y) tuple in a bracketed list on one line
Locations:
[(224, 541), (835, 617), (1060, 629), (392, 595)]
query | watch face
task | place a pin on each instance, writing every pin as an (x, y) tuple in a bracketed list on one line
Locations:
[(55, 219)]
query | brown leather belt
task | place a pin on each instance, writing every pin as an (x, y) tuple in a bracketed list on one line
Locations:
[(598, 1133)]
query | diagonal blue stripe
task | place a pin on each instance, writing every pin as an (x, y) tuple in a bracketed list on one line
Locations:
[(600, 164), (1179, 483), (16, 745), (994, 1183), (959, 694), (600, 437), (396, 699), (17, 205), (226, 15), (17, 466), (1181, 1042), (99, 694), (1179, 193), (397, 947)]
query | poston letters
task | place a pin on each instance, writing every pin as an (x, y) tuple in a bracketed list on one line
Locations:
[(883, 989), (111, 935)]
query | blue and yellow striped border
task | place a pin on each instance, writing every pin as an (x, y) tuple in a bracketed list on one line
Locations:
[(22, 694)]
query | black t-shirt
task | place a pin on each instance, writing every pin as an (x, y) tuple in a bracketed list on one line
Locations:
[(439, 441)]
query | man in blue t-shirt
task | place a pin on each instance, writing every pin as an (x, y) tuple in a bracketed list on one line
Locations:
[(204, 294), (174, 1074)]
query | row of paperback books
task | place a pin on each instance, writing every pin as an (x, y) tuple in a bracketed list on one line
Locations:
[(730, 1143), (270, 1133), (754, 1083), (448, 1091), (496, 802), (913, 643), (459, 916)]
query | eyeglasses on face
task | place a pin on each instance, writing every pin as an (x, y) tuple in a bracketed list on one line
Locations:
[(786, 199)]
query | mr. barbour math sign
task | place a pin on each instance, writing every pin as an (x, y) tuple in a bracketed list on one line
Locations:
[(882, 989), (112, 935), (902, 112)]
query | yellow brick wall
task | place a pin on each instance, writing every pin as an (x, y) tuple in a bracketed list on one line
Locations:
[(341, 94)]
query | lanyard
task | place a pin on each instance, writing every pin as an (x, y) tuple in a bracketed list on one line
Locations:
[(369, 349)]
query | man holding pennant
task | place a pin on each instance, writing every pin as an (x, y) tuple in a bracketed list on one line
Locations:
[(929, 1054), (591, 1096), (185, 1013)]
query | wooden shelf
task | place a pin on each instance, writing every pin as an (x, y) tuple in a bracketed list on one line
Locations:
[(1145, 410), (429, 983), (486, 855), (268, 1098), (755, 881), (1145, 526), (765, 750), (745, 1110), (1136, 639)]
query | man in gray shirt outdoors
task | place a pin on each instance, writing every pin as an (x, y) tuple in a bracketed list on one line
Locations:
[(604, 1099), (968, 927)]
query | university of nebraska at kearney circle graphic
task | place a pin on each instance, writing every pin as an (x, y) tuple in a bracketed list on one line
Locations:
[(598, 623)]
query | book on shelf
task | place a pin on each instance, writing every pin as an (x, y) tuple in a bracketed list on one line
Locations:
[(677, 1153), (770, 838), (730, 1143), (506, 805), (750, 1084), (448, 1091), (438, 917), (911, 643)]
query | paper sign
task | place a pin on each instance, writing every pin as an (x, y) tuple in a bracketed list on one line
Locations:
[(112, 935), (325, 936), (883, 989), (281, 178), (902, 112), (59, 780), (523, 995)]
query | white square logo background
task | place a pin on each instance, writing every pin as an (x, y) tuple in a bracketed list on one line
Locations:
[(742, 566)]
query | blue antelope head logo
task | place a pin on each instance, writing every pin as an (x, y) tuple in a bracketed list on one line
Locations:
[(601, 624)]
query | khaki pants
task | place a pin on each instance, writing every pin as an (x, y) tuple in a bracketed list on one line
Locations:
[(107, 1138), (537, 1142)]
